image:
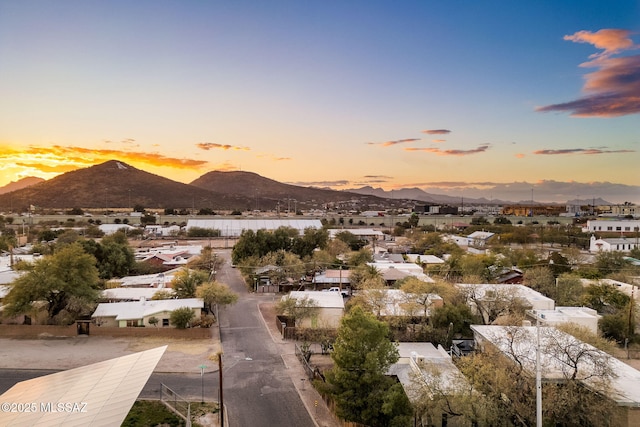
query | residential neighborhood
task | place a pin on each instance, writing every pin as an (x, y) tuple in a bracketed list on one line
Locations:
[(446, 291)]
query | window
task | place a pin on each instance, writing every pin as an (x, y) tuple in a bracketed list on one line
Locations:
[(165, 322), (132, 323)]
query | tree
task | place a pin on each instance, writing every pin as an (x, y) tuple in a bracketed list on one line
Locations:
[(66, 280), (568, 291), (505, 370), (153, 321), (611, 262), (186, 282), (181, 317), (216, 293), (297, 309), (540, 279), (362, 354), (163, 294)]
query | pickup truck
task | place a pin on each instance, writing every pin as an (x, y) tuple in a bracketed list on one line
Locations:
[(344, 292)]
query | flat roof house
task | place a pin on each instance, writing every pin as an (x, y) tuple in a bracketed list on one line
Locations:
[(138, 313)]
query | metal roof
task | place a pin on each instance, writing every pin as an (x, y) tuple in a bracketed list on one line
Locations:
[(100, 394)]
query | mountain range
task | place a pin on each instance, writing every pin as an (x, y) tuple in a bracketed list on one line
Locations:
[(115, 184)]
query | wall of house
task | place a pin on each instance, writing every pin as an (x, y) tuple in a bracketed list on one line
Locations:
[(325, 318)]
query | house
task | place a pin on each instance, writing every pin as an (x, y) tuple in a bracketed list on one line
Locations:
[(493, 300), (581, 316), (425, 260), (397, 303), (479, 239), (330, 308), (138, 313), (408, 268), (421, 369), (130, 294), (563, 356), (620, 244), (333, 277), (159, 280)]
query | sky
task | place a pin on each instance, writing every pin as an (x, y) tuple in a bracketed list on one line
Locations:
[(522, 98)]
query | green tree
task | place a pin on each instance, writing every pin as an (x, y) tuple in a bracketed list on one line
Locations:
[(216, 293), (66, 280), (611, 262), (115, 256), (181, 317), (186, 282), (362, 355), (297, 309)]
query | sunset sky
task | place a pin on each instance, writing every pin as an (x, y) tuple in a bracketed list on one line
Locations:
[(454, 97)]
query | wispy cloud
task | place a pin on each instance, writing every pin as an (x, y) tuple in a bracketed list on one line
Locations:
[(273, 158), (225, 167), (438, 141), (212, 145), (396, 142), (582, 151), (614, 88), (520, 155), (440, 152), (337, 183), (436, 131), (380, 177)]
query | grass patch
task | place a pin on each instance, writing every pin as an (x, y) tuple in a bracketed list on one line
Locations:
[(152, 413)]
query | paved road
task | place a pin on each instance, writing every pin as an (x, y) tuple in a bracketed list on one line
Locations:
[(258, 389)]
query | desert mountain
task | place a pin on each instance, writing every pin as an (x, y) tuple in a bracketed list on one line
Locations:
[(20, 184), (115, 184), (273, 193)]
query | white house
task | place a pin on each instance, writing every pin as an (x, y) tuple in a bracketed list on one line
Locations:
[(422, 367), (619, 244), (581, 316), (486, 298), (563, 356), (330, 308), (235, 227), (409, 268), (138, 313), (131, 294), (625, 288)]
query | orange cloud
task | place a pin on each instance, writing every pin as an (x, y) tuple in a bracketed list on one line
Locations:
[(611, 41), (437, 141), (211, 145), (520, 155), (49, 168), (439, 152), (80, 155), (614, 88), (391, 143), (582, 151), (436, 131)]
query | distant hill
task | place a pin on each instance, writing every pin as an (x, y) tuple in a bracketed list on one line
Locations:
[(20, 184), (270, 193), (115, 184), (422, 196)]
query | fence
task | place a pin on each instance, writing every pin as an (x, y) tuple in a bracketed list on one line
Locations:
[(174, 401)]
